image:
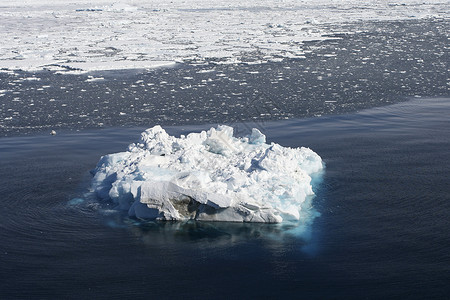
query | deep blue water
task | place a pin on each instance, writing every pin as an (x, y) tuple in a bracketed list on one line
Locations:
[(382, 233)]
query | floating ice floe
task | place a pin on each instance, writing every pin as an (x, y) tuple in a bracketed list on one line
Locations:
[(208, 176)]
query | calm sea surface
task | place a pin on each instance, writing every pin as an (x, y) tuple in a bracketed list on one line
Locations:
[(381, 228)]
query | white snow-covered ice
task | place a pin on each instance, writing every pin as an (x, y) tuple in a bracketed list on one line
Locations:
[(208, 176), (80, 36)]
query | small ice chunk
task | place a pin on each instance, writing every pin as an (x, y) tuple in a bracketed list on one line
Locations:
[(257, 137)]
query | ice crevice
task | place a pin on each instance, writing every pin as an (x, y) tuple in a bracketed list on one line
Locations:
[(208, 176)]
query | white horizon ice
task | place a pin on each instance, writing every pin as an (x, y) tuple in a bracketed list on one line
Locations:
[(81, 36), (208, 176)]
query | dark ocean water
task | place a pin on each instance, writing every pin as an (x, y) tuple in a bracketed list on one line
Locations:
[(384, 198), (383, 230)]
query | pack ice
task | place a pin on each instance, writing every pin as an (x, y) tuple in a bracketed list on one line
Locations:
[(208, 176)]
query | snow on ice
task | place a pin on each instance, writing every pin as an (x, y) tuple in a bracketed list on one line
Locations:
[(80, 35), (208, 176)]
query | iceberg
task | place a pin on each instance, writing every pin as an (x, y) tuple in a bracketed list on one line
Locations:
[(208, 176)]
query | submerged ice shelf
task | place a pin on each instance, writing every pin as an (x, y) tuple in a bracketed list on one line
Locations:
[(208, 176)]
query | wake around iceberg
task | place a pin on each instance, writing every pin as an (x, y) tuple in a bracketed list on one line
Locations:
[(208, 176)]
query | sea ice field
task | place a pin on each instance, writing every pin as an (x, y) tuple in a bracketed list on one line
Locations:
[(386, 62), (80, 36), (319, 128)]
